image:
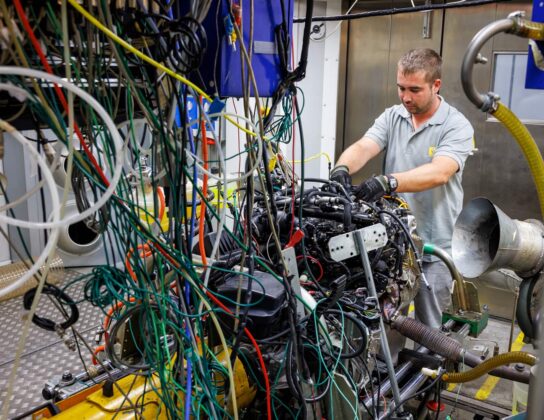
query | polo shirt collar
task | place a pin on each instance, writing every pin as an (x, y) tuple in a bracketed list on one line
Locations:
[(439, 117)]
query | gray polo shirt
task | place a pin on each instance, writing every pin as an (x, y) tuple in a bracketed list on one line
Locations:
[(446, 133)]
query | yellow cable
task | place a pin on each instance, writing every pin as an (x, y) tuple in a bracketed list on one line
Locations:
[(222, 339), (327, 156), (133, 50), (148, 59)]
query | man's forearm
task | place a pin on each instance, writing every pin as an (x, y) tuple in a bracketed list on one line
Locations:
[(356, 156), (421, 178)]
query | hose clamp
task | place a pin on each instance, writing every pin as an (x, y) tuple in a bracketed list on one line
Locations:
[(490, 101)]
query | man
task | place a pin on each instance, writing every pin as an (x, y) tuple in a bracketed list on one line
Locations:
[(427, 142)]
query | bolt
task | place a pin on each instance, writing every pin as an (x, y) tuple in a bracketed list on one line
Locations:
[(480, 59)]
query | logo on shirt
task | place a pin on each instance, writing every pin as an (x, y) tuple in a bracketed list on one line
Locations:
[(431, 151)]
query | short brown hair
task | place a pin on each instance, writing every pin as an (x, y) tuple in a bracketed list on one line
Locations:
[(424, 59)]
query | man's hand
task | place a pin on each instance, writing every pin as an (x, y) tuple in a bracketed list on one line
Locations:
[(341, 175), (376, 187)]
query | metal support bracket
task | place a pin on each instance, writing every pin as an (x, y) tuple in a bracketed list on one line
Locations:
[(290, 259), (427, 21), (360, 242), (344, 246)]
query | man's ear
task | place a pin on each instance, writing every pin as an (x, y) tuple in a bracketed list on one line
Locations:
[(436, 85)]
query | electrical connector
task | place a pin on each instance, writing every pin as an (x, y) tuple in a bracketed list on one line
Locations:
[(431, 373)]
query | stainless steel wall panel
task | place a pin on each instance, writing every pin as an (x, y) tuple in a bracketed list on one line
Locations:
[(406, 34), (454, 46), (367, 79), (498, 169)]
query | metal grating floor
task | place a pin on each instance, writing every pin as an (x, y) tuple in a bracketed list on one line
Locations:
[(45, 355)]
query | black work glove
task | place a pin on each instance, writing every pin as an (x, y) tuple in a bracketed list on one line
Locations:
[(376, 187), (341, 175)]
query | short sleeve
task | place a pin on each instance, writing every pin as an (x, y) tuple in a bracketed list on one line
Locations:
[(457, 140), (379, 132)]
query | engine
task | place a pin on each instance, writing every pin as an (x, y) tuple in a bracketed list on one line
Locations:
[(326, 304), (329, 213)]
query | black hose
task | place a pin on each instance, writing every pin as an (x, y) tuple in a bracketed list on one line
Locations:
[(347, 216), (447, 347), (407, 233), (523, 309), (62, 298), (318, 214), (428, 337), (346, 203), (395, 11)]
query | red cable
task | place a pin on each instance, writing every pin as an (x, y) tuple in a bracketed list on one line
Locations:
[(246, 331), (316, 261), (205, 262), (259, 355), (62, 99), (204, 190), (58, 91)]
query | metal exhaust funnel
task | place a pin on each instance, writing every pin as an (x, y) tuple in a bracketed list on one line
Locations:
[(486, 239)]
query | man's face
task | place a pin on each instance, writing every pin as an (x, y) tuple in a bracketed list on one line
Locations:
[(416, 93)]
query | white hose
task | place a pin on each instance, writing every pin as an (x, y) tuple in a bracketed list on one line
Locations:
[(118, 143), (55, 213)]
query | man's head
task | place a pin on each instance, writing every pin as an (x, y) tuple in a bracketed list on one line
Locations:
[(418, 80)]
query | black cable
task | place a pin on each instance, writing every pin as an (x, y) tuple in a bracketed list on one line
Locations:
[(300, 72), (395, 11), (62, 298), (292, 380), (323, 394), (405, 229), (302, 181), (187, 45), (141, 322), (439, 401), (249, 291), (421, 391), (334, 183), (39, 143), (286, 86), (362, 329), (374, 405)]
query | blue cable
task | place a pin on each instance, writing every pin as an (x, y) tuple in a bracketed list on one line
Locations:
[(188, 391)]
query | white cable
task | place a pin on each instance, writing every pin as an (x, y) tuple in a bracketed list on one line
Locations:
[(110, 125), (338, 24), (55, 213), (21, 199), (258, 140)]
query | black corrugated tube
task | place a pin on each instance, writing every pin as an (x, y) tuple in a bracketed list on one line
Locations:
[(447, 347), (428, 337)]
